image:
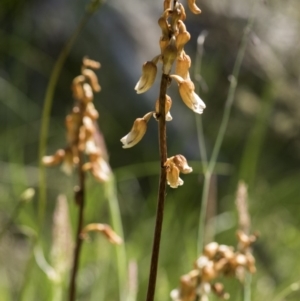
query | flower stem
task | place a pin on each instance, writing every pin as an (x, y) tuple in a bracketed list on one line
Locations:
[(80, 200), (162, 187)]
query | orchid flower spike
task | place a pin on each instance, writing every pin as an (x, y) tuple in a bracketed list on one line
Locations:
[(188, 95), (147, 79), (137, 132)]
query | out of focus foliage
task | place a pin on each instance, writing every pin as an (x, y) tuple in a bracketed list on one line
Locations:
[(261, 146)]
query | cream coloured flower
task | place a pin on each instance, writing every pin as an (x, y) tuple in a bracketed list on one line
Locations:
[(188, 95), (137, 132), (147, 79), (54, 159), (193, 7), (173, 178)]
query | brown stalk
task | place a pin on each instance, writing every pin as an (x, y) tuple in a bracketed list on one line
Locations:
[(80, 200), (162, 186)]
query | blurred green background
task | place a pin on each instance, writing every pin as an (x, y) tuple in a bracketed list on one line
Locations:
[(261, 145)]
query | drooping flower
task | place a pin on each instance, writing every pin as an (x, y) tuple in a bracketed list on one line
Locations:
[(173, 178), (188, 95), (54, 159), (174, 165), (137, 131), (147, 79)]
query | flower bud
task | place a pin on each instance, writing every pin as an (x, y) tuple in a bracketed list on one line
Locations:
[(169, 56), (193, 7), (147, 79), (88, 63), (88, 95), (189, 97), (168, 105), (112, 236), (55, 159), (201, 262), (92, 78), (181, 26), (163, 24), (210, 250), (91, 112), (182, 12), (77, 87), (100, 168), (208, 272), (69, 160)]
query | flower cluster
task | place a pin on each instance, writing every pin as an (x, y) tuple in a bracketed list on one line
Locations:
[(217, 260), (83, 135), (172, 41)]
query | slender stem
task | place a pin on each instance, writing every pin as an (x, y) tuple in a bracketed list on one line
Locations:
[(79, 198), (198, 80), (162, 187), (223, 127), (201, 231), (294, 287), (46, 114), (111, 195)]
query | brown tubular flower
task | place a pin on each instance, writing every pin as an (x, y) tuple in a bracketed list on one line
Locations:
[(188, 95), (106, 230), (88, 63), (147, 79), (92, 78), (193, 7), (137, 131), (174, 166), (54, 159), (82, 130)]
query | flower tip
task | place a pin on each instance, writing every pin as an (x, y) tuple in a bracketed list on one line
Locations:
[(178, 78), (169, 117), (147, 79)]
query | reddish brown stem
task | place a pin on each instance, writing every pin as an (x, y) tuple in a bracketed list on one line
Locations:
[(79, 199), (162, 187)]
